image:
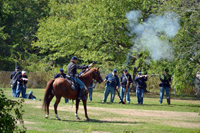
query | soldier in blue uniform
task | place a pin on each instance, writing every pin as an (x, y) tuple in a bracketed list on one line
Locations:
[(112, 83), (61, 75), (23, 83), (140, 79), (124, 78), (82, 71), (72, 72), (165, 85), (17, 75)]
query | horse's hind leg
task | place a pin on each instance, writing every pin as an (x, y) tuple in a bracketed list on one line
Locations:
[(77, 105), (50, 98), (55, 107), (85, 108)]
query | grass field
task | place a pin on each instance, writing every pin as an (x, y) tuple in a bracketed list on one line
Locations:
[(183, 115)]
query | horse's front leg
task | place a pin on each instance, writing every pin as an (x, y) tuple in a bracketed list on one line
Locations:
[(77, 106), (85, 108)]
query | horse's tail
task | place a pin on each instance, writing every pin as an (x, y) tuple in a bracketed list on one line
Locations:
[(48, 92)]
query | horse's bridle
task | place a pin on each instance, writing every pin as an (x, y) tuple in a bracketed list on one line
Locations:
[(95, 75)]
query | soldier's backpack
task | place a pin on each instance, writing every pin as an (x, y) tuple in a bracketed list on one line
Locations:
[(13, 81)]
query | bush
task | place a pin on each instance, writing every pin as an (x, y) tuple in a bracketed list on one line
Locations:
[(8, 122)]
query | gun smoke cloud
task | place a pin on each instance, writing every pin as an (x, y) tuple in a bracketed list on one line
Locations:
[(153, 34)]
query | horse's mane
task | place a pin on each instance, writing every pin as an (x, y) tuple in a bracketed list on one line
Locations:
[(86, 72)]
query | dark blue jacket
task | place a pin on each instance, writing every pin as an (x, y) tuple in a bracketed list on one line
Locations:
[(23, 82), (112, 80), (18, 76), (124, 79), (165, 79), (140, 82), (60, 76)]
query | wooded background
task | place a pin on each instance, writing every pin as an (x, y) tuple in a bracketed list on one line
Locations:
[(42, 36)]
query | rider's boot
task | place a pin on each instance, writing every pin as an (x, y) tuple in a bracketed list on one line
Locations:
[(81, 95)]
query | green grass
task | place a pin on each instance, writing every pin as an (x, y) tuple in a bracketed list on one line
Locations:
[(181, 116)]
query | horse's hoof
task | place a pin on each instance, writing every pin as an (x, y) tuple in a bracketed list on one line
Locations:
[(58, 118), (88, 119)]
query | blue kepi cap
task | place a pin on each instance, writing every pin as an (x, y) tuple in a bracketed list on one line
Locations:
[(17, 67), (139, 73), (61, 70), (74, 58), (114, 70)]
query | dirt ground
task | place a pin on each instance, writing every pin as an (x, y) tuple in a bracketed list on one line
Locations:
[(130, 116)]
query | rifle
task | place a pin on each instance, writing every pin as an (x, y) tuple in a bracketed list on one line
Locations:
[(126, 90), (150, 75), (30, 81), (119, 96), (94, 62)]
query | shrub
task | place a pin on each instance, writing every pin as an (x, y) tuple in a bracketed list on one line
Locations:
[(8, 122)]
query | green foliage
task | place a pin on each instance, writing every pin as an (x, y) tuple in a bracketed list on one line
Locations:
[(8, 122), (19, 20), (43, 35)]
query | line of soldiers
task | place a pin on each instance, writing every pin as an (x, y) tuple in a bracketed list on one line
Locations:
[(112, 84)]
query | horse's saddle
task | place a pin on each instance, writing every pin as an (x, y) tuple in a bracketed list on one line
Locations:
[(74, 85)]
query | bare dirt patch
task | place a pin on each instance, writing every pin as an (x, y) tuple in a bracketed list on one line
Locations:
[(135, 117), (182, 124)]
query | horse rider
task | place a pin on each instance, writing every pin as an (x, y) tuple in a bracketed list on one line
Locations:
[(72, 72), (112, 83), (125, 77), (140, 79), (61, 75), (165, 85)]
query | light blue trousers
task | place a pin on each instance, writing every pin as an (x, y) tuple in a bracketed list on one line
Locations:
[(139, 94), (18, 89), (122, 92), (66, 100), (106, 93), (14, 90), (23, 91), (90, 89), (77, 80), (162, 89)]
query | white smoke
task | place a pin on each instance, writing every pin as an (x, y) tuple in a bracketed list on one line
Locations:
[(153, 34)]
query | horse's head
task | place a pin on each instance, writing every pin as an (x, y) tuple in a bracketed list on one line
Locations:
[(96, 74)]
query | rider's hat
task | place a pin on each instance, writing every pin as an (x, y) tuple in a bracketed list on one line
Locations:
[(74, 58)]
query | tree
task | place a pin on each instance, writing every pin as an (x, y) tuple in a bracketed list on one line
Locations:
[(18, 22)]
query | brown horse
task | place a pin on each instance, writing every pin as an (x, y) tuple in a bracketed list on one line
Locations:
[(60, 87)]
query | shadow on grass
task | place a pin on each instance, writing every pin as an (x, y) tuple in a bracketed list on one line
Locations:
[(103, 121)]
